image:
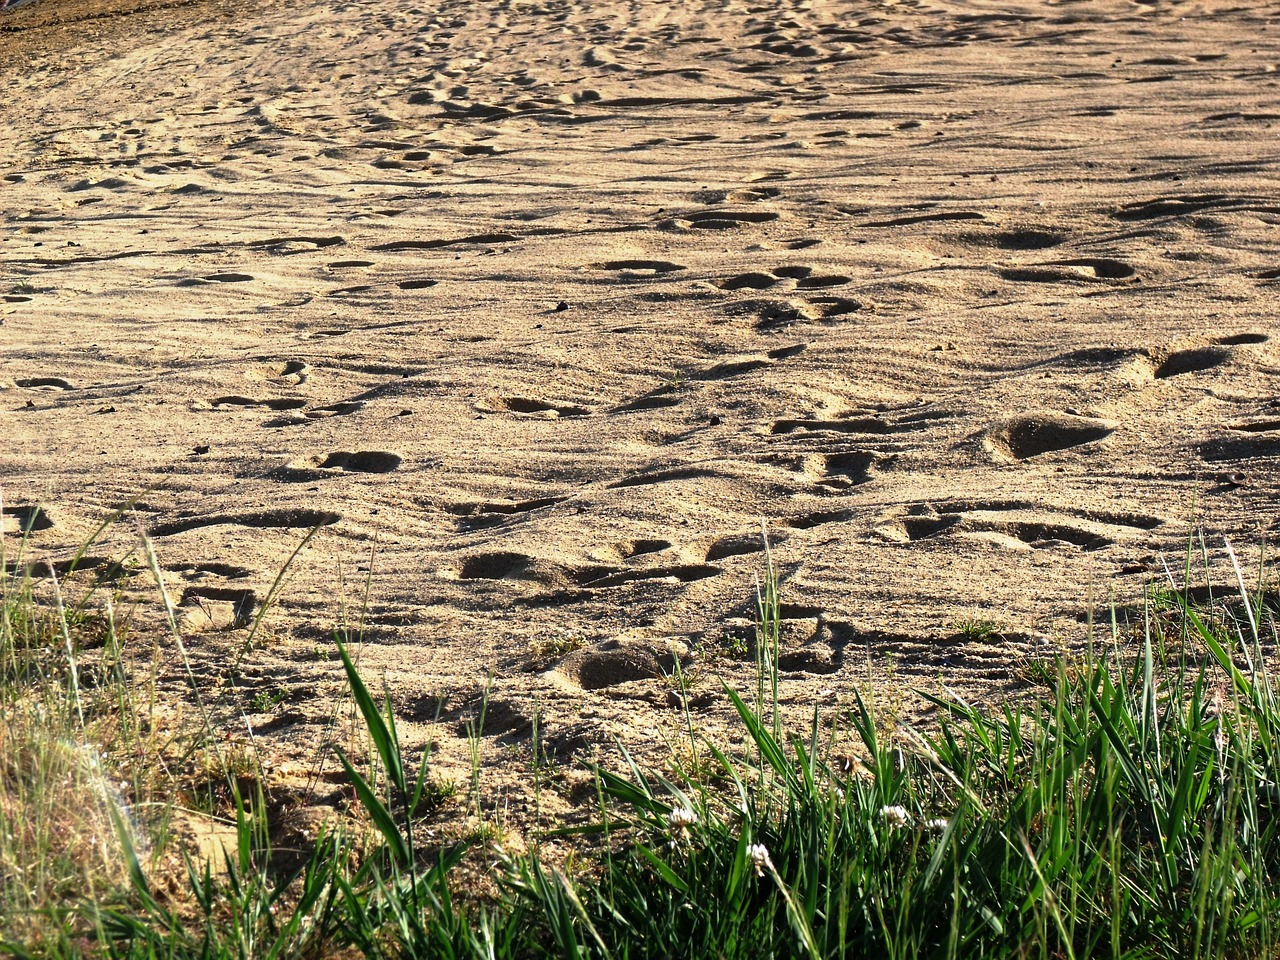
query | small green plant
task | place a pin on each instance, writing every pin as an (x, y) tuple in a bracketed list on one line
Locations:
[(731, 645), (265, 701), (675, 381), (979, 629), (548, 649), (475, 743)]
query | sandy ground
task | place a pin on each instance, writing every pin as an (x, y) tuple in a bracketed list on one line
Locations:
[(544, 307)]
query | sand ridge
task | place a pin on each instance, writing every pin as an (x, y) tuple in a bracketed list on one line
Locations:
[(545, 306)]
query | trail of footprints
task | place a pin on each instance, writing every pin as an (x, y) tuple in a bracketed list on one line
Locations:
[(1015, 524), (209, 599), (790, 278), (1011, 524)]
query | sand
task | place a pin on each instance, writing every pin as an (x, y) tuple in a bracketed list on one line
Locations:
[(540, 310)]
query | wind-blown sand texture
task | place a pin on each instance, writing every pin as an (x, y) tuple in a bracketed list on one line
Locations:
[(545, 305)]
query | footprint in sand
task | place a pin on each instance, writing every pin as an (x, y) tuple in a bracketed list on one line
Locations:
[(643, 547), (919, 218), (844, 470), (657, 401), (742, 544), (749, 281), (1016, 525), (342, 409), (611, 664), (1259, 439), (1034, 435), (1196, 360), (215, 278), (817, 518), (285, 246), (289, 519), (104, 569), (44, 383), (718, 219), (597, 578), (236, 402), (206, 608), (24, 519), (492, 513), (638, 269), (855, 424), (363, 461), (1069, 271), (1017, 238), (801, 277), (528, 407), (772, 314), (670, 475), (1160, 208), (477, 239), (335, 464), (210, 568), (501, 565)]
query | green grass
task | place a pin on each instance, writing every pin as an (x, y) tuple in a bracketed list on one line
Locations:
[(1131, 808)]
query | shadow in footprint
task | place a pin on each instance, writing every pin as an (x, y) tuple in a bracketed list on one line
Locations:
[(848, 469), (43, 383), (282, 403), (684, 573), (1192, 361), (29, 519), (741, 545), (1034, 434), (343, 409), (668, 475), (526, 406), (217, 608), (493, 566), (748, 281), (1018, 239), (1249, 447), (265, 519), (598, 668), (638, 548), (638, 269), (363, 461), (653, 402)]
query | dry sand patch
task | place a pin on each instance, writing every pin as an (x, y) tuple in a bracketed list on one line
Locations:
[(544, 306)]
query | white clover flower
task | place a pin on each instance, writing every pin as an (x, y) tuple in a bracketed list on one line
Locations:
[(680, 820), (758, 854), (936, 825), (895, 816)]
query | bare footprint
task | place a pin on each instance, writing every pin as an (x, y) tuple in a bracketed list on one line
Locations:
[(1032, 435), (528, 407)]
